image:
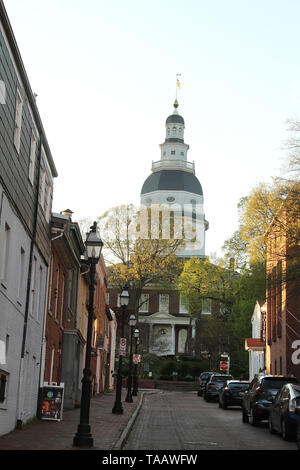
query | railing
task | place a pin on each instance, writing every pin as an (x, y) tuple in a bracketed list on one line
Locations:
[(174, 164)]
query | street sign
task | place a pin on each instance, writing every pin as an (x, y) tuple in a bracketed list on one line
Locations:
[(223, 365), (123, 344), (136, 358)]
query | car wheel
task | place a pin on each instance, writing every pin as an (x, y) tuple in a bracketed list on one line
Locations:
[(286, 435), (253, 419), (271, 429), (245, 417)]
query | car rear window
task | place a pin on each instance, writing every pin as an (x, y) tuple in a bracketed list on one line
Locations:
[(277, 383), (220, 378), (205, 376), (237, 386)]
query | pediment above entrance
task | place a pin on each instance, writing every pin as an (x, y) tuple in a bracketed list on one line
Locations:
[(161, 316)]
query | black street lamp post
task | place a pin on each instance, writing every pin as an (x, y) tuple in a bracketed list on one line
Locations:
[(132, 323), (84, 438), (118, 408), (135, 375)]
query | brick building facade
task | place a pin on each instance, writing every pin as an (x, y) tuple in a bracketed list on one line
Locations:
[(283, 290)]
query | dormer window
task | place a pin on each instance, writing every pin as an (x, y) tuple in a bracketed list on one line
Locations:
[(172, 152)]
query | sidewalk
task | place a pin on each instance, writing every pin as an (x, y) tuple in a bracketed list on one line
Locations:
[(109, 430)]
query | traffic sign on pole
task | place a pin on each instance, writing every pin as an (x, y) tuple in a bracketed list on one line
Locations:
[(224, 365)]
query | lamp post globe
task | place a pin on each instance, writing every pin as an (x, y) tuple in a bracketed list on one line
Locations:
[(94, 246)]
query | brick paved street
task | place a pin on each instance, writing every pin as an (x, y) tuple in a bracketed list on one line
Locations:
[(182, 421)]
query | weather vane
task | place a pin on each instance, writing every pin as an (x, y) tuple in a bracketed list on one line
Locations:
[(178, 85)]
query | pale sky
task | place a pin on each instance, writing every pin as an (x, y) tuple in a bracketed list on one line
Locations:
[(105, 75)]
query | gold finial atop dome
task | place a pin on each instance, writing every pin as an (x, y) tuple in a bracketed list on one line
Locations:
[(176, 104)]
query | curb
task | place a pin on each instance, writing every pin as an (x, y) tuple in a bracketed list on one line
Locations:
[(121, 441)]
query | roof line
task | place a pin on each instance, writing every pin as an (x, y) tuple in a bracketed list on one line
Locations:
[(18, 59)]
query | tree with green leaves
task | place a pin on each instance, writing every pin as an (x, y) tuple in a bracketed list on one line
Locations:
[(133, 260)]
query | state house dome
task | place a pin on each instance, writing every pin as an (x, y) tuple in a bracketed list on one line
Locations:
[(172, 180)]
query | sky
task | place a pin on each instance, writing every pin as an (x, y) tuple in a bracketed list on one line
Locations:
[(105, 76)]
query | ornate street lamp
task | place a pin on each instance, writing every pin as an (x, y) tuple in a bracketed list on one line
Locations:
[(135, 374), (124, 300), (132, 323), (83, 438)]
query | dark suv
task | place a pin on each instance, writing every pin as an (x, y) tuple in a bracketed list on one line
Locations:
[(215, 383), (259, 397), (203, 379)]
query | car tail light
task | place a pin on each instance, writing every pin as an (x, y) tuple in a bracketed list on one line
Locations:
[(292, 406), (261, 389), (211, 385)]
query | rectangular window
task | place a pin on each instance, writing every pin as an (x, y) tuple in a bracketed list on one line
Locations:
[(62, 300), (182, 307), (144, 303), (3, 384), (107, 298), (2, 352), (39, 294), (32, 157), (206, 307), (48, 201), (33, 287), (5, 252), (279, 298), (164, 302), (50, 284), (21, 275), (70, 289), (43, 188), (18, 121)]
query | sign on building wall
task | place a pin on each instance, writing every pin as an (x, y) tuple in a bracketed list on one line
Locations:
[(52, 401)]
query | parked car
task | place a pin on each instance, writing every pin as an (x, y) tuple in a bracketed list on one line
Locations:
[(216, 381), (282, 414), (232, 392), (203, 379), (258, 398)]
